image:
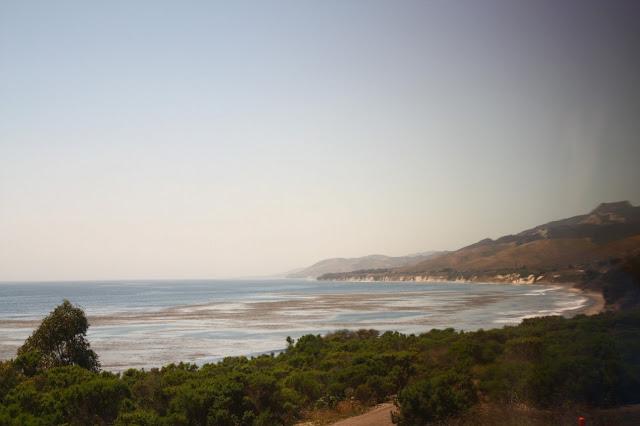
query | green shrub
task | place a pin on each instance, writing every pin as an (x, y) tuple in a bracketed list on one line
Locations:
[(435, 399)]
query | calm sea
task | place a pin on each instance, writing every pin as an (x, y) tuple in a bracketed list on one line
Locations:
[(152, 323)]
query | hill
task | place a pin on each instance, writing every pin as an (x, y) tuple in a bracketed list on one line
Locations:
[(612, 230), (374, 261), (568, 250)]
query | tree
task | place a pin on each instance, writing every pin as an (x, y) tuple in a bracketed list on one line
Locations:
[(61, 340)]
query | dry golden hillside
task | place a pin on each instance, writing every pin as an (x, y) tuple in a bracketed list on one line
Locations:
[(612, 230)]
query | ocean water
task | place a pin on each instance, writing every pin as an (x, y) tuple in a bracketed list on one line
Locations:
[(146, 324)]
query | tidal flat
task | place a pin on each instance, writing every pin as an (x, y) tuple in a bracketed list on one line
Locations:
[(145, 324)]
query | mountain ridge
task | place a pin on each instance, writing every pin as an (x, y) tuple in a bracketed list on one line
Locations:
[(349, 264), (557, 251)]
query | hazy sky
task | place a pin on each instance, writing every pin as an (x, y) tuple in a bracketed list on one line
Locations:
[(204, 139)]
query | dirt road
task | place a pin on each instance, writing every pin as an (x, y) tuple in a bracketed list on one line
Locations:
[(378, 416)]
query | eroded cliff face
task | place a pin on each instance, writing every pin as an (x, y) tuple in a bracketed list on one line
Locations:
[(569, 275), (513, 278)]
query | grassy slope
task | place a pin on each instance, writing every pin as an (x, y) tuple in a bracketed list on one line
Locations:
[(544, 254), (564, 248)]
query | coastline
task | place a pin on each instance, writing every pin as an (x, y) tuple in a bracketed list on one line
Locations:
[(595, 305), (212, 330)]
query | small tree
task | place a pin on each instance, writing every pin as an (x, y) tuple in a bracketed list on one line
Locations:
[(60, 340)]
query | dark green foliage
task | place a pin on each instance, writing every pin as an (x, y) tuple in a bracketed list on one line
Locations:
[(138, 418), (620, 285), (436, 398), (544, 362), (9, 377), (60, 340), (97, 400)]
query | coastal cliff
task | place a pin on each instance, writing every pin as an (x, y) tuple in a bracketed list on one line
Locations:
[(597, 250), (512, 278)]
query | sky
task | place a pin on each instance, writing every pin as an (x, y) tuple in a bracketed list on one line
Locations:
[(202, 139)]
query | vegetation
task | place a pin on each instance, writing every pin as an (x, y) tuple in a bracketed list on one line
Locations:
[(60, 340), (618, 280), (543, 362)]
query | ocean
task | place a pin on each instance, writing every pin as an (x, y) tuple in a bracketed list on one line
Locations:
[(145, 324)]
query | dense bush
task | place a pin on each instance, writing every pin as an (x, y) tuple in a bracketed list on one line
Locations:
[(435, 398), (543, 362)]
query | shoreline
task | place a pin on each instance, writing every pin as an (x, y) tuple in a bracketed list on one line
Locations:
[(206, 332), (595, 305)]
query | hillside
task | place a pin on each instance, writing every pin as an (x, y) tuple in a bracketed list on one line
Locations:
[(611, 230), (375, 261), (562, 250)]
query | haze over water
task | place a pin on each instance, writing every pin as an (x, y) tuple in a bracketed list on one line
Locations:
[(152, 323)]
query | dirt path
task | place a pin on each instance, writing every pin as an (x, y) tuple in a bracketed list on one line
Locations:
[(380, 415)]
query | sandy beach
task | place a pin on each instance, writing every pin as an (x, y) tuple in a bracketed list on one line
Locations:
[(596, 303)]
